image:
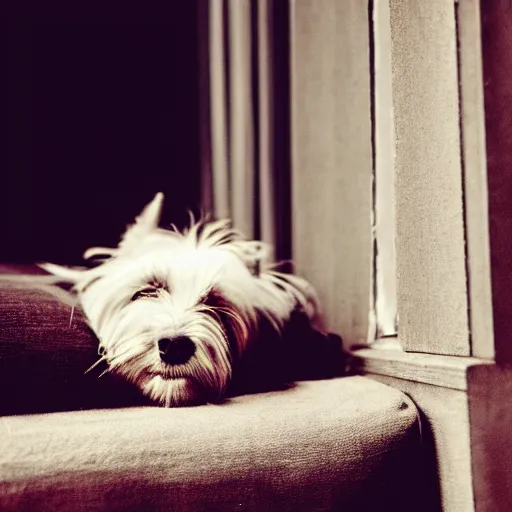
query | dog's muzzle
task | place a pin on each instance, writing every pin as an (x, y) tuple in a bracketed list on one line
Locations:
[(176, 350)]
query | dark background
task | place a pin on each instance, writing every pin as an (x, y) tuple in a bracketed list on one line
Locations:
[(102, 113)]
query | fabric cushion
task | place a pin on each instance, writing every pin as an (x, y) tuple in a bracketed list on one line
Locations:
[(44, 355), (342, 444)]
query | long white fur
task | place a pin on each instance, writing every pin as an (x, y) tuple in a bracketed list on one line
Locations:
[(206, 256)]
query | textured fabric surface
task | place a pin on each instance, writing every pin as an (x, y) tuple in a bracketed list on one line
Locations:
[(340, 444), (44, 356)]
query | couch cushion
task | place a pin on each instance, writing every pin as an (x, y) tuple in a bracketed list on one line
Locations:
[(342, 444), (44, 356)]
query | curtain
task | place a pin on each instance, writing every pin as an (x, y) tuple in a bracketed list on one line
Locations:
[(244, 62)]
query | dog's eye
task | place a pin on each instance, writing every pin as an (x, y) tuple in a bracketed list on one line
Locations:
[(145, 293)]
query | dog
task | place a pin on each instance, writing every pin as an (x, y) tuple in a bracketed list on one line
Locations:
[(194, 316)]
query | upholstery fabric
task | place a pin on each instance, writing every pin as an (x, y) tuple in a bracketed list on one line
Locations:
[(346, 443), (44, 356), (340, 444)]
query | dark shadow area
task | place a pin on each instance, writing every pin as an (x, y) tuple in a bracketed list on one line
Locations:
[(428, 478), (282, 159), (276, 360), (496, 19), (102, 113), (415, 486)]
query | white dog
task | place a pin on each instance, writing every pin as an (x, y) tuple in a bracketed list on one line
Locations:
[(175, 312)]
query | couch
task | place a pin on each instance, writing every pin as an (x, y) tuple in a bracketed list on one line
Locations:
[(73, 441)]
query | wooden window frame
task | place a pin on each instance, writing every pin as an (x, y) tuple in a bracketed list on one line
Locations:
[(450, 359)]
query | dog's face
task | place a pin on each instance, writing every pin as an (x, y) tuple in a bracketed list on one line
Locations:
[(175, 311)]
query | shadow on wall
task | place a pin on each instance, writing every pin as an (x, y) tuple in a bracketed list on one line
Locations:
[(103, 113)]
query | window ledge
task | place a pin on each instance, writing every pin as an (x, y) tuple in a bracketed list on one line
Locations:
[(438, 370)]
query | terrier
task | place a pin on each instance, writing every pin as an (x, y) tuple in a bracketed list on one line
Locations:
[(190, 317)]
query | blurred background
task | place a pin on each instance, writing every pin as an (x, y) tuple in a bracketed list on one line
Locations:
[(102, 113), (105, 108)]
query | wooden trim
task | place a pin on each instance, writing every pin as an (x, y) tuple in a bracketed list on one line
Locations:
[(437, 370), (431, 263), (467, 414), (475, 178)]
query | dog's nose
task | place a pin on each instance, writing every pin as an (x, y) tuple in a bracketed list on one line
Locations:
[(176, 350)]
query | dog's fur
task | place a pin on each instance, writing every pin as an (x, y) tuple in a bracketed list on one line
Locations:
[(212, 290)]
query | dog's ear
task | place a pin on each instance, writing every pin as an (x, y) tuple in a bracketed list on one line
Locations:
[(63, 274), (146, 222)]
